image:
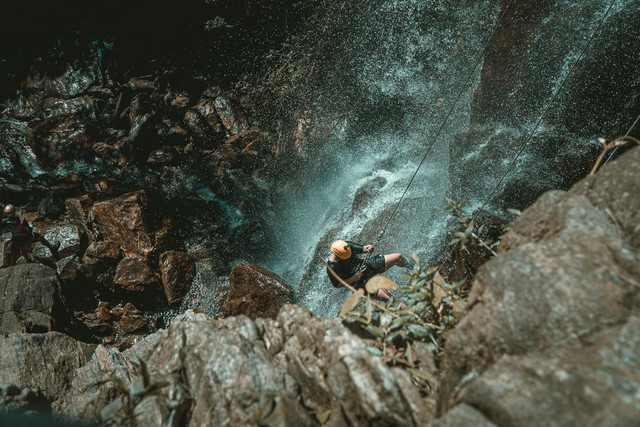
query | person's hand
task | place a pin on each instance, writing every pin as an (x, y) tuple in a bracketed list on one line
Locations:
[(358, 275), (367, 248)]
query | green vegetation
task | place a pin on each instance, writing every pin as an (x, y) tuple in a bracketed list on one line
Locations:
[(430, 307)]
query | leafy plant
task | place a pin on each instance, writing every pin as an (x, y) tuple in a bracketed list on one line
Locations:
[(429, 309)]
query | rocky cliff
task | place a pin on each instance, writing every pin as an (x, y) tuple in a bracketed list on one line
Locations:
[(551, 337)]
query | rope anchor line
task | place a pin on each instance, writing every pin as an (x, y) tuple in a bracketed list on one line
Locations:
[(455, 102)]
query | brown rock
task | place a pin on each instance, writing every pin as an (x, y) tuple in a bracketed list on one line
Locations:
[(133, 274), (103, 250), (33, 217), (123, 220), (132, 319), (98, 322), (117, 311), (256, 292), (177, 270), (140, 84), (204, 123), (163, 235), (68, 268)]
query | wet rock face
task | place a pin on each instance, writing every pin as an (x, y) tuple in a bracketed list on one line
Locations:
[(30, 301), (552, 311), (518, 79), (291, 371), (177, 270), (256, 292)]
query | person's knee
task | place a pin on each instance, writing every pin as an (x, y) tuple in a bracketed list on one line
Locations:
[(394, 259)]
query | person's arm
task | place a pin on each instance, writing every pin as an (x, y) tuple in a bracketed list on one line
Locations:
[(356, 248)]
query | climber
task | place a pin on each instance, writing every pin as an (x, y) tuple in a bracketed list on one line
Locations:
[(346, 264), (22, 235)]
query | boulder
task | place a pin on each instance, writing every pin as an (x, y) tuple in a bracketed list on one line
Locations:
[(256, 292), (68, 238), (132, 319), (30, 300), (57, 108), (47, 362), (105, 250), (62, 144), (549, 315), (177, 271), (6, 256), (99, 322), (588, 383), (612, 191), (463, 415), (73, 82), (124, 220), (135, 275)]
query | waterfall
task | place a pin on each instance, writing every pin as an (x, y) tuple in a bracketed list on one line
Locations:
[(419, 56)]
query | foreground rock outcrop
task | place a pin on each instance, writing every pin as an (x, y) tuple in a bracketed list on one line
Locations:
[(554, 317), (295, 370), (256, 292)]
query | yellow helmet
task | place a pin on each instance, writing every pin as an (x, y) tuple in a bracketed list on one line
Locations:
[(341, 249)]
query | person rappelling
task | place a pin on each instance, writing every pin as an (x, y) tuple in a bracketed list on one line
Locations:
[(355, 271)]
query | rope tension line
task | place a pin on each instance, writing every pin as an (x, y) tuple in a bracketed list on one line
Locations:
[(626, 135), (495, 189), (475, 65)]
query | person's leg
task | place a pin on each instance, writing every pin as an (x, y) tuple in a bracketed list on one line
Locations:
[(394, 259), (383, 295)]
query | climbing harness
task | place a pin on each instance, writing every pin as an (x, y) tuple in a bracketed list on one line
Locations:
[(444, 122), (522, 147)]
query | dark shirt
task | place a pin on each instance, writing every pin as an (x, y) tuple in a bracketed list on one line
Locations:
[(346, 268), (18, 227)]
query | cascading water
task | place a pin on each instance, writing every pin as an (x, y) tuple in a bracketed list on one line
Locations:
[(412, 57), (416, 64)]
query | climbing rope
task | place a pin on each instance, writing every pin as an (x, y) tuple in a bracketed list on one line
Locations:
[(475, 65), (495, 189), (626, 135)]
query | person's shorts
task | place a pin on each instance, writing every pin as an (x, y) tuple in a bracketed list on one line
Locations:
[(375, 266)]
